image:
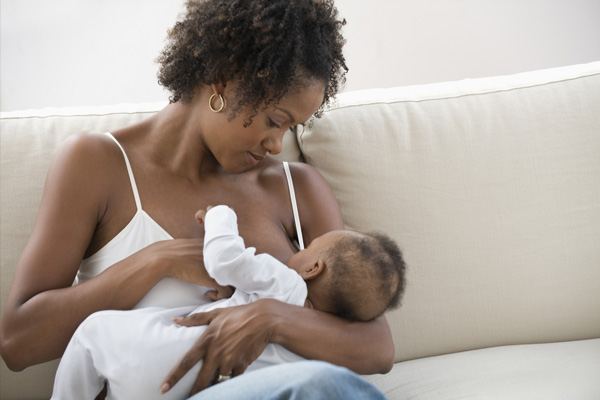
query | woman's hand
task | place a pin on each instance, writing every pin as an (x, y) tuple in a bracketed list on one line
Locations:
[(234, 338), (181, 259)]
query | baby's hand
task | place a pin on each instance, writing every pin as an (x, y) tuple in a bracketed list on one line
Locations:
[(220, 292), (201, 214)]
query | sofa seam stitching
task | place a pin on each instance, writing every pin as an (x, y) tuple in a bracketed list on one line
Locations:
[(334, 107), (78, 115)]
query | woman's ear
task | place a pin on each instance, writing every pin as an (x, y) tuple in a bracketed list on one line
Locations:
[(218, 88), (217, 106), (313, 270)]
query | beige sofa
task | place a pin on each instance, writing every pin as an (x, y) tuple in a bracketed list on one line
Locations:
[(492, 187)]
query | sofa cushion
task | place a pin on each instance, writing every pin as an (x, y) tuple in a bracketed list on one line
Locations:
[(553, 371), (491, 186)]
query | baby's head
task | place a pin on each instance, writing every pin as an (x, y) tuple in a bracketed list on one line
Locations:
[(354, 275)]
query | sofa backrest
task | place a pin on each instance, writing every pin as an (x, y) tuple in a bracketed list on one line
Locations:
[(492, 188)]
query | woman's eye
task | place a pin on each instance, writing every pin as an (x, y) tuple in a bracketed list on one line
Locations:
[(272, 124)]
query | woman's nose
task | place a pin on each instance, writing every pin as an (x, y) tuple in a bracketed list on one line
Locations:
[(274, 144)]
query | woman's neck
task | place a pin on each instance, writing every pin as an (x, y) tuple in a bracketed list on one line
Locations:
[(177, 142)]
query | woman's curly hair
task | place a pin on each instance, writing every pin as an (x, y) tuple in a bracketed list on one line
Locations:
[(265, 45)]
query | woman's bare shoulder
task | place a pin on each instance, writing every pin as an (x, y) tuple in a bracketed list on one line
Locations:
[(84, 167), (87, 153), (301, 172), (317, 204), (309, 181), (87, 143)]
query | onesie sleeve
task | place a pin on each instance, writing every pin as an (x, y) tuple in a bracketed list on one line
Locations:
[(229, 262)]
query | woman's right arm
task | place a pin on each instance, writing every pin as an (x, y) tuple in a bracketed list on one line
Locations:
[(43, 310)]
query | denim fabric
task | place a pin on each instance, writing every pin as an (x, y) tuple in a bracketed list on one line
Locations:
[(303, 380)]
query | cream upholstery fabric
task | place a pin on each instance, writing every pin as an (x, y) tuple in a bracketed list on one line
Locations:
[(551, 371), (492, 188)]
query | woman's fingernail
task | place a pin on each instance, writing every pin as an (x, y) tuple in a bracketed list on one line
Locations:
[(177, 319), (164, 388)]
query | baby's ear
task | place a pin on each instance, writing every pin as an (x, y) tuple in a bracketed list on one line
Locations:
[(313, 270)]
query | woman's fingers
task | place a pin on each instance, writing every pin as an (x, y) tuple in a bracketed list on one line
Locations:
[(233, 339), (205, 376), (191, 358), (196, 354), (215, 370), (197, 319)]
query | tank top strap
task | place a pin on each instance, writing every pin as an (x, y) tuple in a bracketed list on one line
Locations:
[(136, 194), (288, 175)]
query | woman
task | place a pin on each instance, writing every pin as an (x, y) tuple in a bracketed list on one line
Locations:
[(120, 207)]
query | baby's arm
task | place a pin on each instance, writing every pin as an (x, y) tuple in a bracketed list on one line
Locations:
[(229, 262)]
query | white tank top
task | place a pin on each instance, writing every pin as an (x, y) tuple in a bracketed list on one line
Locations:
[(142, 231)]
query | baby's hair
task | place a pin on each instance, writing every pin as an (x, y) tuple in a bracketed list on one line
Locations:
[(264, 45), (367, 273)]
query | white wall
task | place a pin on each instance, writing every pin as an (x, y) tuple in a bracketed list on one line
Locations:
[(403, 42), (81, 52), (91, 52)]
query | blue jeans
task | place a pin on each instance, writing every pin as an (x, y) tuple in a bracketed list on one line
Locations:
[(303, 380)]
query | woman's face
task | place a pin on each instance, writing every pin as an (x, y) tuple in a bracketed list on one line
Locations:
[(238, 148)]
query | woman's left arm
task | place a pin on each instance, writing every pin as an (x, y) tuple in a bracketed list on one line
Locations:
[(365, 347), (236, 336)]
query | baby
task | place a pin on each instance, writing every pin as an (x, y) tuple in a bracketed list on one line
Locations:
[(353, 275)]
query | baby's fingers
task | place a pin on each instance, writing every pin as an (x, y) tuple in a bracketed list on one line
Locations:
[(200, 215), (213, 295)]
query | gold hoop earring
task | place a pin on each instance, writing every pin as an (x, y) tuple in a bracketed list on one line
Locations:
[(210, 103)]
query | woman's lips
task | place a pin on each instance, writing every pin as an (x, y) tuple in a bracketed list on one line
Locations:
[(254, 158)]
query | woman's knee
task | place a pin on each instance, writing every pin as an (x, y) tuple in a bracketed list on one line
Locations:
[(302, 380), (317, 371), (328, 381)]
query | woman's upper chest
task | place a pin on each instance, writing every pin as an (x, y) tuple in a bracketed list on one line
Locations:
[(260, 199)]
